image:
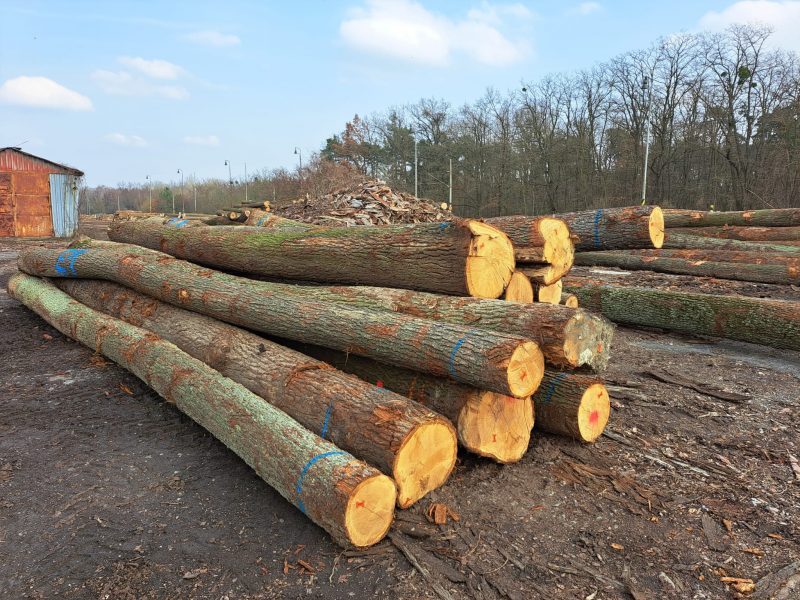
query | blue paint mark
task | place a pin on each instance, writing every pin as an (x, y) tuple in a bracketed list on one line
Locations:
[(309, 464), (551, 388), (451, 365), (326, 420), (65, 263), (182, 223), (260, 221), (443, 226), (597, 216)]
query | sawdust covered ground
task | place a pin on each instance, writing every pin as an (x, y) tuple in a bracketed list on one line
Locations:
[(106, 491)]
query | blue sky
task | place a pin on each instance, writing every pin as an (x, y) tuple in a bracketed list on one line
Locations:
[(123, 90)]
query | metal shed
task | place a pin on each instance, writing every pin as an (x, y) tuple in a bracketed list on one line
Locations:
[(38, 197)]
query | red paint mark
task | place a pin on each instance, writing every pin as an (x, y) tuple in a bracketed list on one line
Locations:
[(379, 383), (360, 504), (594, 417), (494, 437), (523, 376)]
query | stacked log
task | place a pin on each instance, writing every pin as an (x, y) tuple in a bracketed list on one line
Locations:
[(771, 217), (743, 233), (572, 404), (551, 294), (616, 228), (519, 288)]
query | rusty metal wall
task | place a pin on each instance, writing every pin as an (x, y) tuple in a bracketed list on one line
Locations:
[(10, 160), (33, 216), (6, 206)]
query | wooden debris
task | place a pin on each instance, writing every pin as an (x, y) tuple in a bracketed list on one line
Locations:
[(703, 388)]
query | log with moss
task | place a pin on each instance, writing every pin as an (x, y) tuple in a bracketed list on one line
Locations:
[(488, 424), (687, 241), (763, 321), (519, 288), (541, 244), (503, 363), (352, 501), (745, 234), (550, 294), (767, 217), (572, 404), (739, 271), (616, 228), (415, 446), (464, 258)]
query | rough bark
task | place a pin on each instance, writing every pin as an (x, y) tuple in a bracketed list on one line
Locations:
[(488, 424), (745, 234), (519, 289), (573, 405), (616, 228), (739, 271), (375, 425), (465, 258), (768, 322), (769, 217), (682, 240), (726, 256), (324, 482), (490, 360)]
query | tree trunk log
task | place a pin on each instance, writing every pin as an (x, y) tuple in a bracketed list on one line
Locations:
[(550, 294), (464, 258), (352, 501), (519, 289), (745, 234), (768, 322), (416, 447), (725, 256), (682, 240), (573, 405), (570, 300), (769, 217), (490, 360), (542, 241), (488, 424), (770, 273), (616, 228)]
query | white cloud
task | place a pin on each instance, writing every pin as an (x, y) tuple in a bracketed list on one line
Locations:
[(122, 83), (122, 139), (586, 8), (156, 68), (406, 30), (202, 140), (212, 38), (783, 17), (41, 92)]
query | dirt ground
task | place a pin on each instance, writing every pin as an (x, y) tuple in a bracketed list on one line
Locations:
[(108, 492)]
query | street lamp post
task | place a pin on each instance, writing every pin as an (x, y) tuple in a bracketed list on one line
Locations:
[(245, 182), (150, 191), (646, 96), (416, 162), (299, 153), (450, 194), (173, 195), (194, 189), (230, 177)]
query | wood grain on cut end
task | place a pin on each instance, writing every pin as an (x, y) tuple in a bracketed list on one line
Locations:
[(496, 426), (549, 294), (570, 300), (425, 461), (519, 288), (574, 405), (490, 261), (656, 226), (587, 340), (370, 510), (525, 369), (593, 413), (558, 249)]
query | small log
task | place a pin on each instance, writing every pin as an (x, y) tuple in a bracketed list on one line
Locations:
[(682, 240), (414, 446), (550, 294), (488, 359), (352, 501), (542, 244), (746, 234), (726, 256), (519, 288), (488, 424), (769, 322), (768, 217), (570, 300), (464, 258), (262, 218), (761, 273), (572, 405), (616, 228)]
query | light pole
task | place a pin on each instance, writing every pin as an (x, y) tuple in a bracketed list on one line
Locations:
[(230, 177), (450, 195), (416, 162), (646, 97), (245, 182), (150, 191), (173, 195), (299, 153), (194, 189)]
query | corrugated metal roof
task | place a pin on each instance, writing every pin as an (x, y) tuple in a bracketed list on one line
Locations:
[(15, 159)]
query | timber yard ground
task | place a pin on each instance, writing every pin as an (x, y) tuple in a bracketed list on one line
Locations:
[(108, 492)]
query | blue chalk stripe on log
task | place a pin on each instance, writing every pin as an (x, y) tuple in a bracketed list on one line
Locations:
[(69, 257), (597, 216), (309, 464), (451, 364), (326, 420), (551, 388)]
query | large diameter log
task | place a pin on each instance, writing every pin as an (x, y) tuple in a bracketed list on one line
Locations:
[(464, 258), (352, 501), (616, 228), (415, 446), (761, 273), (495, 361), (550, 294), (543, 244), (763, 321), (747, 234), (573, 405), (488, 424), (768, 217), (682, 240), (519, 288)]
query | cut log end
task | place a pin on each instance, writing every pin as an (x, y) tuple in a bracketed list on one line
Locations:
[(656, 227), (549, 294), (519, 288), (570, 300), (525, 369), (593, 413), (496, 426), (559, 249), (490, 262), (425, 461), (370, 510), (587, 341)]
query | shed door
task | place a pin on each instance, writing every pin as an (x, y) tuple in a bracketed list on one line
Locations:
[(32, 204), (64, 204), (6, 206)]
